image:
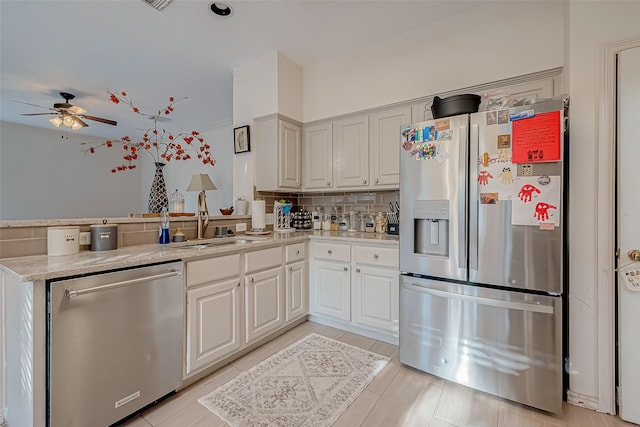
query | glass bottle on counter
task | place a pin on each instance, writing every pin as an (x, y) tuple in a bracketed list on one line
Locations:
[(381, 222), (353, 226), (317, 218), (176, 202), (334, 218), (369, 223), (343, 223), (326, 222)]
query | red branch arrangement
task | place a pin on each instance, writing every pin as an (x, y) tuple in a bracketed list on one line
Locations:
[(161, 145)]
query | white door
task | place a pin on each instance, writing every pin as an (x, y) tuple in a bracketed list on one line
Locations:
[(296, 291), (264, 303), (374, 298), (385, 143), (289, 173), (318, 156), (213, 323), (331, 290), (351, 152), (628, 234)]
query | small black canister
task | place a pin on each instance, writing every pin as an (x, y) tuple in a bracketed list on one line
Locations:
[(104, 237)]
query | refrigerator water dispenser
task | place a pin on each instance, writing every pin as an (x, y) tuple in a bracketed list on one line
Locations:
[(431, 227)]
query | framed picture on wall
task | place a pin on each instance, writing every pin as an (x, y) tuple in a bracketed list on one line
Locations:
[(241, 139)]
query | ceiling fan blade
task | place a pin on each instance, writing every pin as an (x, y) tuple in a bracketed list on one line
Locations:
[(77, 110), (34, 105), (99, 119), (37, 114)]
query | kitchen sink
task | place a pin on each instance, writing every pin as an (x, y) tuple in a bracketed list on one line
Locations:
[(221, 241)]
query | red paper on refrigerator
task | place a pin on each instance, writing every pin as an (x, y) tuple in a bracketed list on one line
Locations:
[(536, 139)]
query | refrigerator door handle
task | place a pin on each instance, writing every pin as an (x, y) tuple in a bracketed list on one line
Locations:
[(462, 197), (512, 305), (474, 144)]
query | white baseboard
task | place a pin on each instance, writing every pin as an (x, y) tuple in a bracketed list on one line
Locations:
[(345, 326), (582, 400)]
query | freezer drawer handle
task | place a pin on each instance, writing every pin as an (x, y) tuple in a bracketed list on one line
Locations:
[(546, 309), (70, 293)]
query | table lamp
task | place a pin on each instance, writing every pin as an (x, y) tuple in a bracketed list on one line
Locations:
[(201, 182)]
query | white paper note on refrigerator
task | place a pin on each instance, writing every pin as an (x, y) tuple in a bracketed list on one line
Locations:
[(537, 201)]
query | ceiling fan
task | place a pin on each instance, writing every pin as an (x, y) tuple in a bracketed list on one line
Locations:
[(68, 114)]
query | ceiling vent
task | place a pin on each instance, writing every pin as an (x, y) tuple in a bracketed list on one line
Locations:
[(158, 4)]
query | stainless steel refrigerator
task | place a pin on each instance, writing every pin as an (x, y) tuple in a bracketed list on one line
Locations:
[(482, 250)]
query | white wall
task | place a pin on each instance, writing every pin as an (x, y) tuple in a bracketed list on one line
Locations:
[(488, 43), (44, 174), (592, 24), (271, 84)]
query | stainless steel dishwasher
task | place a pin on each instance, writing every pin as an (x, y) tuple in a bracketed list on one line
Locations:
[(114, 343)]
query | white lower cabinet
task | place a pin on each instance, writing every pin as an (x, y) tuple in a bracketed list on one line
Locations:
[(264, 298), (296, 294), (355, 287), (331, 295), (213, 323), (374, 302)]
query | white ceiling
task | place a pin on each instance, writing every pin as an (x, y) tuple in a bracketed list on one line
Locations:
[(88, 46)]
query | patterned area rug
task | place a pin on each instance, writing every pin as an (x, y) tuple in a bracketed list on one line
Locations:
[(309, 383)]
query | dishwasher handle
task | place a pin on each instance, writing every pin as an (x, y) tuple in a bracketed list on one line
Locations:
[(70, 293)]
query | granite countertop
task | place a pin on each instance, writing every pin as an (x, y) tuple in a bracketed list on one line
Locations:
[(43, 267)]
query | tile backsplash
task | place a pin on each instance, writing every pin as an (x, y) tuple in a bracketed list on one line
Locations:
[(366, 201)]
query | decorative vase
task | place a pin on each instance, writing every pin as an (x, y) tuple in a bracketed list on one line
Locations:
[(158, 194)]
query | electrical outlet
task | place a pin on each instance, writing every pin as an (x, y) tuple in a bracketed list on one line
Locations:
[(241, 226), (85, 238), (269, 219)]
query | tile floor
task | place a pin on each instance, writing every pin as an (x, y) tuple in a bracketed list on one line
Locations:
[(398, 396)]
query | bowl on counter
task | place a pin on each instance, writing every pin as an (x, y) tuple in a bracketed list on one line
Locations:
[(226, 211)]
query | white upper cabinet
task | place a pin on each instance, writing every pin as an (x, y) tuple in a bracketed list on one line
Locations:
[(385, 146), (351, 152), (318, 156), (278, 147)]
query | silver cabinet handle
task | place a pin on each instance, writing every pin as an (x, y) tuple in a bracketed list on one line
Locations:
[(329, 252), (364, 181), (375, 256), (346, 269), (357, 270), (376, 180), (251, 280), (70, 293), (238, 285), (328, 184), (290, 268), (298, 252)]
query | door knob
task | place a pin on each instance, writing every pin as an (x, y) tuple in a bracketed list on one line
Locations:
[(634, 255)]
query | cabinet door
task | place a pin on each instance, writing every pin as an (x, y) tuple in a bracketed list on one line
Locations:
[(296, 296), (374, 298), (385, 145), (264, 303), (331, 290), (289, 155), (213, 323), (351, 152), (318, 156)]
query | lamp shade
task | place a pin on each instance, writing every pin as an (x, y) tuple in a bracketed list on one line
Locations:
[(200, 182)]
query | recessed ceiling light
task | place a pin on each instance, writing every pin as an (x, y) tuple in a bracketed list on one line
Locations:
[(220, 9)]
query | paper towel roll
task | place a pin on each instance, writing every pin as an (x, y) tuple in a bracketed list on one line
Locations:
[(258, 220)]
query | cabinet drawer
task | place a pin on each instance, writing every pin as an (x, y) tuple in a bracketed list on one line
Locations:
[(372, 255), (212, 269), (294, 252), (263, 259), (331, 251)]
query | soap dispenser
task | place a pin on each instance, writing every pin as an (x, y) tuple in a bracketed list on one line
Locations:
[(164, 226)]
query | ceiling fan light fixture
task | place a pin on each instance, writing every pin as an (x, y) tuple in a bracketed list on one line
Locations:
[(56, 121), (67, 120), (76, 125), (220, 9)]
